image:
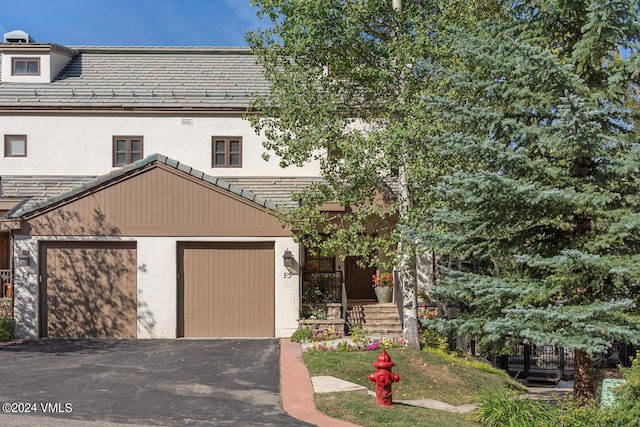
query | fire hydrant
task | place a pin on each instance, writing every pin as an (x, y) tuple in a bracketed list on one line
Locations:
[(384, 378)]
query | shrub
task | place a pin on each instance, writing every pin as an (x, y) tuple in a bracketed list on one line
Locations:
[(358, 336), (301, 335), (624, 412), (626, 409), (6, 328), (591, 415), (500, 408), (432, 339)]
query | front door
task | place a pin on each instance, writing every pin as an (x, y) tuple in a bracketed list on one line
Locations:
[(358, 281), (4, 252)]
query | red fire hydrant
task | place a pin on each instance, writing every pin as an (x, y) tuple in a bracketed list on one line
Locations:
[(384, 378)]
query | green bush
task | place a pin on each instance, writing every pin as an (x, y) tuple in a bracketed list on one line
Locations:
[(626, 409), (358, 336), (6, 328), (592, 415), (500, 409), (430, 338), (503, 409), (301, 335)]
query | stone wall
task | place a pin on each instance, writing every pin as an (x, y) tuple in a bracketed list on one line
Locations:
[(6, 307), (336, 325)]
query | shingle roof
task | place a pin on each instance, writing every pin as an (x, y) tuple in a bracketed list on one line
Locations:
[(146, 77), (278, 190), (38, 187), (42, 191)]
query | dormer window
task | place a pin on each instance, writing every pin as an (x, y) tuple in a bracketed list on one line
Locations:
[(25, 67)]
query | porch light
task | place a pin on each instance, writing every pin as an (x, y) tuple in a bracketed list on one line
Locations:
[(23, 259), (288, 259)]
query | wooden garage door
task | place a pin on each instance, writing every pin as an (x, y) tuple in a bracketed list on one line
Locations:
[(88, 289), (226, 290)]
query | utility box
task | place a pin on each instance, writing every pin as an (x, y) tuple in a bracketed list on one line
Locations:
[(608, 396)]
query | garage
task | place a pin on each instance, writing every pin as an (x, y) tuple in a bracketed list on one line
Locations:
[(154, 250), (88, 289), (226, 289)]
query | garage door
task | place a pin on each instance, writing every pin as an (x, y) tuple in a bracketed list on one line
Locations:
[(88, 289), (226, 290)]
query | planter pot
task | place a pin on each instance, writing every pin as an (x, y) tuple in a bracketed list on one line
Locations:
[(384, 293)]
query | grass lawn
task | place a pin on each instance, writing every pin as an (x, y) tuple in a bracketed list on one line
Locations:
[(424, 375)]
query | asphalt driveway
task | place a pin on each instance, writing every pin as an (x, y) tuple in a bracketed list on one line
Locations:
[(144, 382)]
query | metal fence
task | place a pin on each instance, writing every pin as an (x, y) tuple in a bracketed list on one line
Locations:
[(553, 362), (6, 281), (321, 287)]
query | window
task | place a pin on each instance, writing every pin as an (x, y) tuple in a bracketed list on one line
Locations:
[(227, 152), (315, 259), (15, 145), (25, 67), (126, 149)]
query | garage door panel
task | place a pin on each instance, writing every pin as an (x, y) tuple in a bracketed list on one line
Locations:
[(227, 290), (89, 290)]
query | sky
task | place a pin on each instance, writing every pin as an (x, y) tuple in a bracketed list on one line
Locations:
[(132, 22)]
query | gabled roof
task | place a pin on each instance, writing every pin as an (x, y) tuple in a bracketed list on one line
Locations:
[(192, 78), (86, 186)]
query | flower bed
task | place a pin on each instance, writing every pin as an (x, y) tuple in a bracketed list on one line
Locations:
[(318, 326)]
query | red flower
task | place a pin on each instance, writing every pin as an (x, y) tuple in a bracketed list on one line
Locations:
[(384, 279)]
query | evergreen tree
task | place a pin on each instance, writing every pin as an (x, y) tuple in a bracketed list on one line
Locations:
[(349, 80), (545, 212)]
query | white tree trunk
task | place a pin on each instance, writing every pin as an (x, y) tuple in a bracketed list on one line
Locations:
[(406, 269), (406, 250)]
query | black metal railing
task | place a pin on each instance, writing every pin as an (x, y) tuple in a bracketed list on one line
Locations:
[(5, 284), (321, 287), (546, 361)]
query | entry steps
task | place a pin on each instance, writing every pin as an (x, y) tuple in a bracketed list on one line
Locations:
[(377, 320)]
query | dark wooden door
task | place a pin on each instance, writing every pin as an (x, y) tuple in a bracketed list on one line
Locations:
[(358, 280), (4, 252)]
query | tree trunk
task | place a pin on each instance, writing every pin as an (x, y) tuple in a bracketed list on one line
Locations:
[(407, 269), (407, 263), (583, 378), (406, 274)]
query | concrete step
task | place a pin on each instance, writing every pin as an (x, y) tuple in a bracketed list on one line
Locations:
[(377, 320), (381, 322), (381, 334)]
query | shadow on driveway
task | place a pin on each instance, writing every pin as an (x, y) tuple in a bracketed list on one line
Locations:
[(147, 382)]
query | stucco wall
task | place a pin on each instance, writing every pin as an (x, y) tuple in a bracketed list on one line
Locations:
[(157, 285), (45, 67), (82, 145)]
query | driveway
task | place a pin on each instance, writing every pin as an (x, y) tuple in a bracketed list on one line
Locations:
[(143, 382)]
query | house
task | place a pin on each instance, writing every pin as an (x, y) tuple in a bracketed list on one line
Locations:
[(134, 200)]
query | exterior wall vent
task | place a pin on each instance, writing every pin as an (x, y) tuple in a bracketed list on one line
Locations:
[(18, 36)]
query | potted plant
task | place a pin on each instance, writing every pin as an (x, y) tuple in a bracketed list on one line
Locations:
[(383, 286)]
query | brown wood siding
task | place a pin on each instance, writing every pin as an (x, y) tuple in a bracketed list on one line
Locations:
[(88, 290), (226, 290), (159, 201)]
